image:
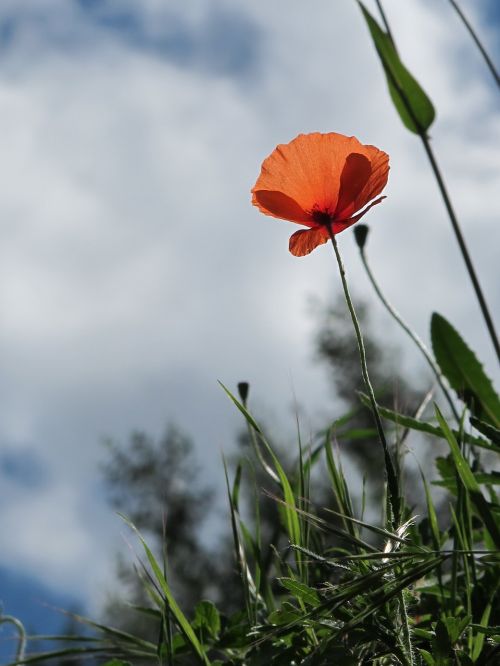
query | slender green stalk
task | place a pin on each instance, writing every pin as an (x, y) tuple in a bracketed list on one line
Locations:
[(397, 317), (448, 205), (473, 34), (21, 642), (461, 242), (405, 626), (386, 23), (392, 480)]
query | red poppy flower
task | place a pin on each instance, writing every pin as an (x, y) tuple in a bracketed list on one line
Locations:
[(321, 181)]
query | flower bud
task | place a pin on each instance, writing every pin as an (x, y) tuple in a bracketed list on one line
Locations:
[(360, 234), (243, 388)]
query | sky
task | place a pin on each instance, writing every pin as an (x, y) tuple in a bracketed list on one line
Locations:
[(134, 272)]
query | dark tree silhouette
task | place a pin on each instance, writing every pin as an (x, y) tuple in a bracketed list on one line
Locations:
[(157, 485)]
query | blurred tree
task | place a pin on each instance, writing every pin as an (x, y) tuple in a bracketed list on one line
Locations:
[(157, 485)]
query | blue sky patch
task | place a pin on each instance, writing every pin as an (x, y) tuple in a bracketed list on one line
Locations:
[(35, 606), (226, 42), (23, 466)]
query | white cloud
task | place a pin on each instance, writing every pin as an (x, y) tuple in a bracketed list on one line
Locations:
[(134, 273)]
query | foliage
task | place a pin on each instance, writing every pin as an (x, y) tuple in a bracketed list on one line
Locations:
[(344, 590)]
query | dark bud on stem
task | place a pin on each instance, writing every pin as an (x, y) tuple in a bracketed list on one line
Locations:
[(243, 388), (360, 234)]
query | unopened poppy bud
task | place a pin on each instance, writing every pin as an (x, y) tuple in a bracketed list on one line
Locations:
[(243, 388), (360, 234)]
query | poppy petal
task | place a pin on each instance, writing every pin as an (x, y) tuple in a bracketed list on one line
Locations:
[(341, 225), (353, 179), (304, 241), (375, 184), (308, 169), (280, 205)]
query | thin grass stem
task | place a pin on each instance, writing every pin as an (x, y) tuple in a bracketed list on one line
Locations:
[(409, 331), (479, 44), (461, 242), (392, 479), (406, 639), (21, 642), (447, 202), (386, 23)]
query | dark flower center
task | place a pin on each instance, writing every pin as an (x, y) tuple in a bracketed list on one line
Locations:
[(322, 217)]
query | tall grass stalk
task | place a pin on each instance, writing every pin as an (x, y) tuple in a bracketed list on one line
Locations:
[(360, 233), (447, 202), (477, 41)]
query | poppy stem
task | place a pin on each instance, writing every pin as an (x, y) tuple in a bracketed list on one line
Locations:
[(392, 479), (416, 339)]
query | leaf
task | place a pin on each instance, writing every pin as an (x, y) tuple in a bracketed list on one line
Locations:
[(290, 510), (301, 591), (413, 105), (441, 644), (428, 658), (286, 614), (488, 631), (456, 626), (206, 617), (464, 372), (487, 429), (482, 478), (177, 613), (467, 477), (422, 426), (478, 642)]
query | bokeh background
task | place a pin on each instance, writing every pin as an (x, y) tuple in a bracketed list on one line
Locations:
[(134, 273)]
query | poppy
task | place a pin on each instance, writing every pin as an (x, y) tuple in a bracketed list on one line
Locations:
[(321, 181)]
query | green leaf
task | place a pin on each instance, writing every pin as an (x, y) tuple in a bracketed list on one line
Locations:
[(482, 478), (487, 429), (286, 614), (467, 477), (301, 591), (488, 631), (421, 426), (413, 105), (291, 519), (456, 626), (206, 617), (478, 641), (428, 658), (177, 613), (441, 643), (464, 372)]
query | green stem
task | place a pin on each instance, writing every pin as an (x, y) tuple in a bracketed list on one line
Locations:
[(386, 23), (487, 59), (392, 480), (21, 643), (420, 344), (461, 242), (405, 625), (447, 202)]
